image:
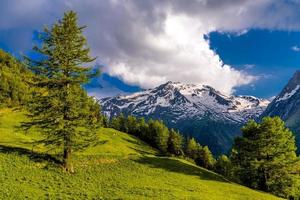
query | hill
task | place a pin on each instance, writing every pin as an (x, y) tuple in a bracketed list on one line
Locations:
[(14, 76), (198, 111), (120, 166)]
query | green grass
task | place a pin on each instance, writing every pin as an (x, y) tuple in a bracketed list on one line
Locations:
[(120, 167)]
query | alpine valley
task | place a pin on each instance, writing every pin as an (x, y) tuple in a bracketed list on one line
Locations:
[(198, 111)]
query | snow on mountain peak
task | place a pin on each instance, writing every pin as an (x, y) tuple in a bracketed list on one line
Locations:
[(182, 100), (288, 95)]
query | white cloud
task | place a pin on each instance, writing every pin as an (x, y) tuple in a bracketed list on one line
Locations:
[(184, 55), (149, 42)]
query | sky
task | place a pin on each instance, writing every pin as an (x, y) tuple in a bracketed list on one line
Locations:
[(241, 47)]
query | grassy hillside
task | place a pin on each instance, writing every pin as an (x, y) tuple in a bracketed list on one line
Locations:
[(120, 167)]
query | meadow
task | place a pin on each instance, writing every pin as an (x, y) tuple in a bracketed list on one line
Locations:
[(119, 167)]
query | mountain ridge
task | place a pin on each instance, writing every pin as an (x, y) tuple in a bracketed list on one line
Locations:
[(287, 106), (195, 110)]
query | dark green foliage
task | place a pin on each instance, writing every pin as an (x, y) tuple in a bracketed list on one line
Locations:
[(105, 121), (223, 166), (217, 135), (159, 134), (14, 81), (205, 158), (192, 148), (175, 143), (132, 125), (142, 129), (61, 109), (155, 133), (265, 155), (115, 123)]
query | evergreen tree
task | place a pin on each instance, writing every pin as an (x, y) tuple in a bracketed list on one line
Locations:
[(62, 110), (205, 158), (223, 166), (132, 124), (265, 156), (192, 148), (175, 142), (142, 129), (123, 123), (115, 123), (159, 135)]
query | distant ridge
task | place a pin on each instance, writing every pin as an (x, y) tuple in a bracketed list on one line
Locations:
[(198, 111)]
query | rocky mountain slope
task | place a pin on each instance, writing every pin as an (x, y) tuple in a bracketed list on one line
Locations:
[(287, 106), (196, 110)]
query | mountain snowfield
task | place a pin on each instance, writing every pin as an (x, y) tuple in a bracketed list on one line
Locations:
[(190, 108), (187, 100)]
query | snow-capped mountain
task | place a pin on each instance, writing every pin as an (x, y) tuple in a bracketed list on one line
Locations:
[(186, 100), (193, 109), (287, 105)]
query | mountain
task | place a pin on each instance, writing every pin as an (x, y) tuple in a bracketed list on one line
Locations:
[(199, 111), (287, 106)]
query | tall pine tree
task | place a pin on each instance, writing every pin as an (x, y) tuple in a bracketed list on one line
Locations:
[(265, 156), (175, 143), (61, 110)]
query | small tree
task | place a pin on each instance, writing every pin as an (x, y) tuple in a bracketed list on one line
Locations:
[(205, 158), (223, 166), (132, 125), (265, 156), (192, 148), (175, 142), (142, 129), (159, 135), (61, 110), (123, 123), (115, 123)]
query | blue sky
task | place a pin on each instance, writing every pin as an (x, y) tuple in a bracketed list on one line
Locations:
[(238, 47), (271, 55)]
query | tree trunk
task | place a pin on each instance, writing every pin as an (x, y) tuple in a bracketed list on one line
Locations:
[(67, 164)]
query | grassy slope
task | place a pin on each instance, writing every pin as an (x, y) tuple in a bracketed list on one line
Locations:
[(121, 166)]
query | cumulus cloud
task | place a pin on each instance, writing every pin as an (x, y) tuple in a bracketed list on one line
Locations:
[(149, 42)]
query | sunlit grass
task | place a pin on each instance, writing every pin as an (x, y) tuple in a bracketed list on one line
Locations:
[(119, 167)]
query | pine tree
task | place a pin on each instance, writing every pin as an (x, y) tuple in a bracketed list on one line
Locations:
[(142, 129), (205, 158), (132, 125), (223, 166), (192, 148), (123, 123), (62, 111), (175, 142), (265, 156), (115, 123), (159, 135)]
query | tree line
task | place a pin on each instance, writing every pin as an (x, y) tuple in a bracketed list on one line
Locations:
[(167, 141)]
